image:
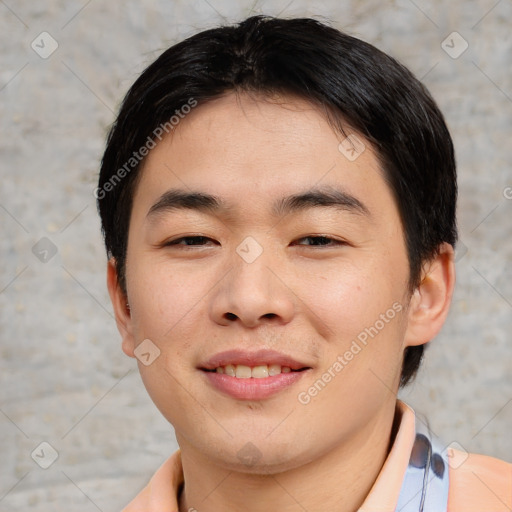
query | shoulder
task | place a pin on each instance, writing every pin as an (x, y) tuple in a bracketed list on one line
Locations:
[(478, 483), (160, 494)]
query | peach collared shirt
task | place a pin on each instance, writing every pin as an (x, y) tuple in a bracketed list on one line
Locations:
[(478, 484)]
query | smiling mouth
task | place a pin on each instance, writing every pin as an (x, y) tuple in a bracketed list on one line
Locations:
[(241, 371)]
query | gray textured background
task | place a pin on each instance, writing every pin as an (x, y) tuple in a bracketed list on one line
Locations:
[(64, 379)]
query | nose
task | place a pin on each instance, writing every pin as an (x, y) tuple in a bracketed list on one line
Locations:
[(253, 293)]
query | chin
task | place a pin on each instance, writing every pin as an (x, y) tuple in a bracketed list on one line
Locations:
[(260, 456)]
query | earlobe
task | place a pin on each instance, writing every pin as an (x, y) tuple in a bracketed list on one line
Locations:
[(430, 302), (121, 309)]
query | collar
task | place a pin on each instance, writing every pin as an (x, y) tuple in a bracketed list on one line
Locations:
[(414, 477)]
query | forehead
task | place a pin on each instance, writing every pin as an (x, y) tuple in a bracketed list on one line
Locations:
[(251, 151)]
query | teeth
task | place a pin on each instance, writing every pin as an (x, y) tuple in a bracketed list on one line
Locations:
[(241, 371), (274, 369), (229, 370), (260, 372)]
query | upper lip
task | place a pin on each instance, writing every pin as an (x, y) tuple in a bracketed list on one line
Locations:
[(257, 358)]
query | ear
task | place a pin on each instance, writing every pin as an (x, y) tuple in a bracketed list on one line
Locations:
[(121, 309), (430, 302)]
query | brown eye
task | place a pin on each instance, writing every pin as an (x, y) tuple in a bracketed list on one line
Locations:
[(189, 241), (323, 241)]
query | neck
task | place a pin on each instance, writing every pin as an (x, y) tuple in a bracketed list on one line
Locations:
[(338, 480)]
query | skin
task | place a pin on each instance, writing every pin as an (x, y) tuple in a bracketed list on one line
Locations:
[(308, 301)]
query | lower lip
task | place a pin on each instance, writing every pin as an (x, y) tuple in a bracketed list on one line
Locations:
[(253, 389)]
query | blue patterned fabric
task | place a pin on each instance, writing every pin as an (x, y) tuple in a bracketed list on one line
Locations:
[(426, 483)]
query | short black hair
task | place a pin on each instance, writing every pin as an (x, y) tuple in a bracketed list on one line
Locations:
[(354, 83)]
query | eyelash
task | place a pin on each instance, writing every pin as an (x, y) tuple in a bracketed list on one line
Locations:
[(311, 237)]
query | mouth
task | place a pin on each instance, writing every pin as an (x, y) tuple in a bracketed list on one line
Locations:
[(262, 371), (252, 375)]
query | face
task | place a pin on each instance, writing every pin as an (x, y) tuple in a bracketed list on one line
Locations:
[(292, 262)]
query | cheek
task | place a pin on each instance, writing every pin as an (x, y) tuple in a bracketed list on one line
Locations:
[(359, 312), (167, 307), (163, 296), (345, 298)]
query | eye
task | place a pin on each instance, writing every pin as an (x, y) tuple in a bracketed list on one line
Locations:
[(189, 241), (323, 241), (201, 241)]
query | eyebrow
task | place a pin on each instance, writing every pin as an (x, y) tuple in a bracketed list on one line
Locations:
[(326, 196)]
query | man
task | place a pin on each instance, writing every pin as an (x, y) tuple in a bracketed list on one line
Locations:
[(278, 203)]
